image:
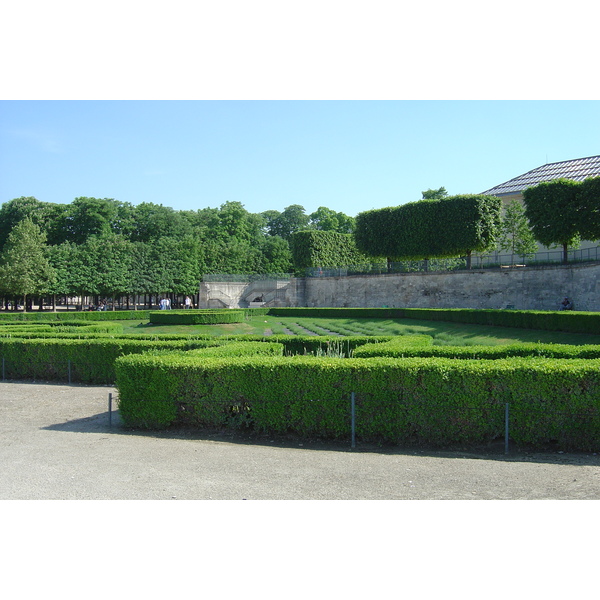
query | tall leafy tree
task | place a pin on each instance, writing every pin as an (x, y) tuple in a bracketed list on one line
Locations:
[(515, 234), (62, 258), (325, 219), (293, 218), (14, 211), (89, 216), (152, 221), (24, 266), (435, 194)]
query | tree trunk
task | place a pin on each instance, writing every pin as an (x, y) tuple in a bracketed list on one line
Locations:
[(565, 253), (469, 260)]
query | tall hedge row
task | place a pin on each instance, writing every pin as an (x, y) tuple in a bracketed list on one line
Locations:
[(324, 249), (448, 227)]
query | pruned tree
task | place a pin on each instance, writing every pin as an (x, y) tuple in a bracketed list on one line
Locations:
[(445, 228), (554, 213)]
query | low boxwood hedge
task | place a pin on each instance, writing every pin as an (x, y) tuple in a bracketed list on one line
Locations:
[(434, 401), (109, 315), (400, 348), (197, 317), (78, 360)]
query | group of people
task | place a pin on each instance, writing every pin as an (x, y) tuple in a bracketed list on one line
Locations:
[(165, 303), (102, 305)]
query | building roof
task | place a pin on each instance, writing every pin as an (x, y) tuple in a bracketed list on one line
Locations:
[(577, 170)]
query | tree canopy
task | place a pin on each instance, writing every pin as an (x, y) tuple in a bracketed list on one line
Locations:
[(447, 227)]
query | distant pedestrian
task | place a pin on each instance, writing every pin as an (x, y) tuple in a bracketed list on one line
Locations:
[(566, 304), (188, 302)]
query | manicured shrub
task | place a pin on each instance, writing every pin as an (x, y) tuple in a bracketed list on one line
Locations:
[(80, 360), (435, 401), (197, 317), (110, 315)]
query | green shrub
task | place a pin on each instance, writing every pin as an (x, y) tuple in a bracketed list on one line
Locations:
[(436, 401), (80, 360), (399, 348), (110, 315), (197, 317)]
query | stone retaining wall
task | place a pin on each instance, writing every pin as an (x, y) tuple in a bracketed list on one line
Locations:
[(521, 288), (518, 287)]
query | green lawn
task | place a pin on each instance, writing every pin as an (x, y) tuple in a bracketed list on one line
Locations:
[(443, 333)]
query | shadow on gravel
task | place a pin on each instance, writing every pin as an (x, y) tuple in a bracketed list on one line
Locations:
[(99, 423)]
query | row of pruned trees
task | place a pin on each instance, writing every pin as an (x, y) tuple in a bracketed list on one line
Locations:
[(436, 228), (557, 213)]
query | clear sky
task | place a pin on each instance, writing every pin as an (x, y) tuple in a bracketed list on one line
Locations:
[(348, 105), (349, 156)]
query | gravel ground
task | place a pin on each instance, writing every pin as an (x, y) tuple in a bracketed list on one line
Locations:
[(56, 444)]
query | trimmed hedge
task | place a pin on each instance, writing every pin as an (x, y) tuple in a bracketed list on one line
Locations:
[(50, 329), (434, 401), (111, 315), (400, 348), (85, 360), (197, 317)]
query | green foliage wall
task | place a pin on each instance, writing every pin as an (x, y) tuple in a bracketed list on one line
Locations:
[(324, 249), (551, 208), (196, 317), (421, 400), (446, 227)]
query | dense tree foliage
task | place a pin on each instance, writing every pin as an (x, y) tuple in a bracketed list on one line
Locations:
[(324, 249), (24, 266), (434, 194), (588, 200), (552, 209), (447, 227), (515, 235), (104, 248), (101, 247)]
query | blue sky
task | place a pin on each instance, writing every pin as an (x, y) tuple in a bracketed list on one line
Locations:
[(349, 156), (346, 105)]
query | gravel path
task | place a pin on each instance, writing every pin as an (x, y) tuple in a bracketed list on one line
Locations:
[(56, 443)]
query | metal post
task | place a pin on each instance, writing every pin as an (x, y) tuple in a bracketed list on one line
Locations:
[(3, 368), (69, 370), (110, 409), (353, 413), (506, 428)]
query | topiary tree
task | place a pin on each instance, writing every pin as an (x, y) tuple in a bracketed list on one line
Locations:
[(554, 213), (588, 200), (440, 228), (324, 249)]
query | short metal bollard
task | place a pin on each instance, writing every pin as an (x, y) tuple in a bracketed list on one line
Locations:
[(506, 432), (353, 418), (110, 409)]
